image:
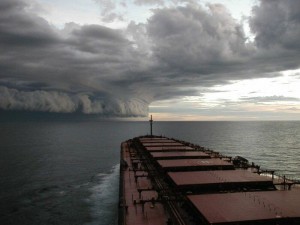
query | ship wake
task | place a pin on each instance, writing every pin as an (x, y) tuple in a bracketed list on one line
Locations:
[(104, 197)]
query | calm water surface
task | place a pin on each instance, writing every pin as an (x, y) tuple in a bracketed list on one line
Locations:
[(67, 172)]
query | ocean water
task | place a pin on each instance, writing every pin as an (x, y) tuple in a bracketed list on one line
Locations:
[(67, 172)]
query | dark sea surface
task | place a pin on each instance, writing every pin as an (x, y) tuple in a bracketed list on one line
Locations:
[(55, 172)]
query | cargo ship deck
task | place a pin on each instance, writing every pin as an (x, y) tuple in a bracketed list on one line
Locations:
[(164, 181)]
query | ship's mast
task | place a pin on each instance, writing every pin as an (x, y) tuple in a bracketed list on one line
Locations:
[(151, 122)]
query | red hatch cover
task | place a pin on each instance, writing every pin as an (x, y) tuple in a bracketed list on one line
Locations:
[(199, 164), (157, 141), (216, 177), (233, 208), (162, 144), (179, 154), (153, 139), (168, 148)]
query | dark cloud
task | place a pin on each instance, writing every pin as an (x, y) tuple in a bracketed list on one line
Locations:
[(21, 29), (277, 23), (96, 69), (276, 26), (45, 69), (210, 45), (192, 37), (60, 102)]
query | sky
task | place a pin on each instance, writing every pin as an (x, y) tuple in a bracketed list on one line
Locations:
[(174, 59)]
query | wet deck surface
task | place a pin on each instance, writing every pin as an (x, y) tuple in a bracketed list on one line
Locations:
[(153, 214)]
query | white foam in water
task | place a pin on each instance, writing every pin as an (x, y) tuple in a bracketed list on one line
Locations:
[(105, 197)]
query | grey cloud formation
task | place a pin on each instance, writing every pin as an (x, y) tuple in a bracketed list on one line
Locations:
[(189, 37), (268, 99), (108, 13), (149, 2), (276, 26), (79, 65), (277, 23), (163, 2), (94, 69), (60, 102)]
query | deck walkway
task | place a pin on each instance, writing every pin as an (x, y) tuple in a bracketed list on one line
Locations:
[(139, 208)]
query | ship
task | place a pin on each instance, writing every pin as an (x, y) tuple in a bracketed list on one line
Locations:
[(165, 181)]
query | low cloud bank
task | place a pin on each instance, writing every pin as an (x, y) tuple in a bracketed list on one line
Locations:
[(59, 102)]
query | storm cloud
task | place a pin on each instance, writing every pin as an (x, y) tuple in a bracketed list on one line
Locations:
[(276, 26), (95, 69)]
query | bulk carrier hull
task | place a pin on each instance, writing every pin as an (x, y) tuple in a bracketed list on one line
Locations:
[(165, 181)]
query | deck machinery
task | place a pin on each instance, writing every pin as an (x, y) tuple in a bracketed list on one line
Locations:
[(165, 181)]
